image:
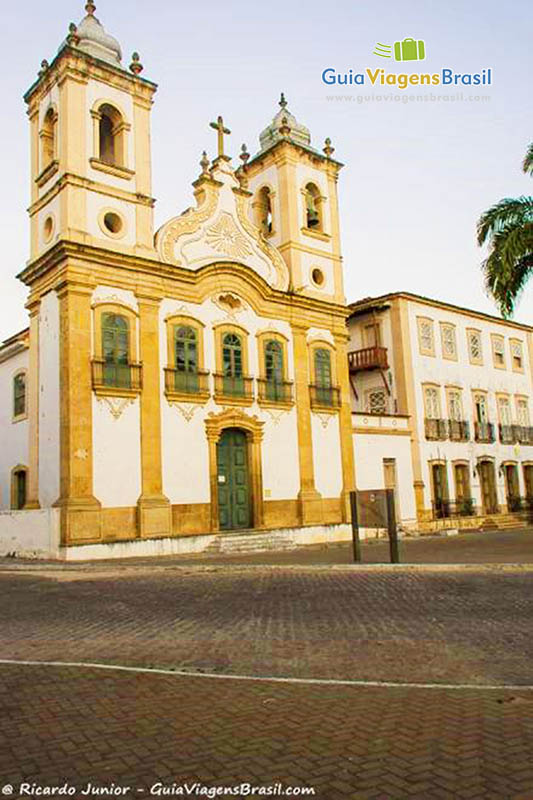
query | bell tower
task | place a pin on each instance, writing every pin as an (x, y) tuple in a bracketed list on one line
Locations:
[(90, 146), (295, 205)]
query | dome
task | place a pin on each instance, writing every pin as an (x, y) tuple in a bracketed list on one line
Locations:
[(94, 41), (284, 119)]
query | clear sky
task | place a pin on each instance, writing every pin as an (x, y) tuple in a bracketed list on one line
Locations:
[(417, 174)]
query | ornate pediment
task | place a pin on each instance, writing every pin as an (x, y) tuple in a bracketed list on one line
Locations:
[(219, 229)]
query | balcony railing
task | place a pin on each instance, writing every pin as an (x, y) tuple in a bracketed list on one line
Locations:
[(459, 430), (274, 391), (524, 434), (112, 375), (484, 432), (508, 435), (325, 396), (368, 358), (234, 386), (446, 509), (181, 382), (436, 429)]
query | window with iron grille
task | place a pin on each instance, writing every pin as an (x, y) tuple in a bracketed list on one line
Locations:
[(455, 405), (449, 344), (475, 350), (376, 401), (522, 412), (517, 356), (425, 333), (432, 402), (498, 351)]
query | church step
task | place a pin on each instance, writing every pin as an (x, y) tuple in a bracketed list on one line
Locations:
[(235, 543)]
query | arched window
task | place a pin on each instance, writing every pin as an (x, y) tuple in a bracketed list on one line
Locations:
[(186, 355), (115, 351), (264, 211), (232, 364), (322, 364), (313, 202), (18, 488), (275, 386), (48, 138), (111, 136), (19, 395)]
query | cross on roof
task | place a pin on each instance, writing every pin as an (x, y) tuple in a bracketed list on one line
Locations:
[(219, 127)]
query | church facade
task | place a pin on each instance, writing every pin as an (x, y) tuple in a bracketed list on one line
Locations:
[(185, 381)]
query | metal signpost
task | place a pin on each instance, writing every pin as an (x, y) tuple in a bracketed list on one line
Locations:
[(374, 509)]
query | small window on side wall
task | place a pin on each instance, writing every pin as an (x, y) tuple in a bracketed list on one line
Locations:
[(18, 489), (19, 395)]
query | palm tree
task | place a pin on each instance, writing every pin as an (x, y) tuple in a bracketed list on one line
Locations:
[(507, 227)]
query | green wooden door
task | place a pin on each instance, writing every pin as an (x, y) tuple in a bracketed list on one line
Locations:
[(234, 507)]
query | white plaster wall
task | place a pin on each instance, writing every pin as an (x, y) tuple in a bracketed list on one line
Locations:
[(469, 377), (281, 468), (111, 294), (185, 451), (327, 454), (15, 443), (311, 261), (116, 454), (369, 452), (185, 456), (96, 203), (30, 534), (52, 209), (49, 400)]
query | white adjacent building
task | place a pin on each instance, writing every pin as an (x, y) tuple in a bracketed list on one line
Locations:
[(441, 400)]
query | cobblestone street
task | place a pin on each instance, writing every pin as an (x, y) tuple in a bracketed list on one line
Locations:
[(409, 625)]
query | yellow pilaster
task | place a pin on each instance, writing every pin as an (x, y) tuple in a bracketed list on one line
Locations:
[(73, 156), (335, 236), (154, 511), (288, 200), (143, 172), (345, 425), (406, 391), (32, 496), (34, 171), (310, 500), (80, 510)]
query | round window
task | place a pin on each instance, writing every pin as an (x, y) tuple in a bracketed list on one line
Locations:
[(317, 277), (112, 222), (48, 228)]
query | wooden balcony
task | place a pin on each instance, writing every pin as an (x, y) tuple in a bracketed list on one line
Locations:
[(368, 358)]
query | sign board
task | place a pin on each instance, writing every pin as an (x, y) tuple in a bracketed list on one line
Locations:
[(372, 508)]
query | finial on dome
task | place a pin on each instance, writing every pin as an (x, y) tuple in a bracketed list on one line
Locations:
[(204, 163), (328, 149), (244, 155), (136, 67), (90, 7), (284, 128), (282, 101), (72, 38)]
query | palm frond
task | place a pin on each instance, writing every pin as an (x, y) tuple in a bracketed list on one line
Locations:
[(509, 211), (527, 163)]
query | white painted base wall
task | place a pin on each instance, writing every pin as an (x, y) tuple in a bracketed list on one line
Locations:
[(286, 538), (30, 534)]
